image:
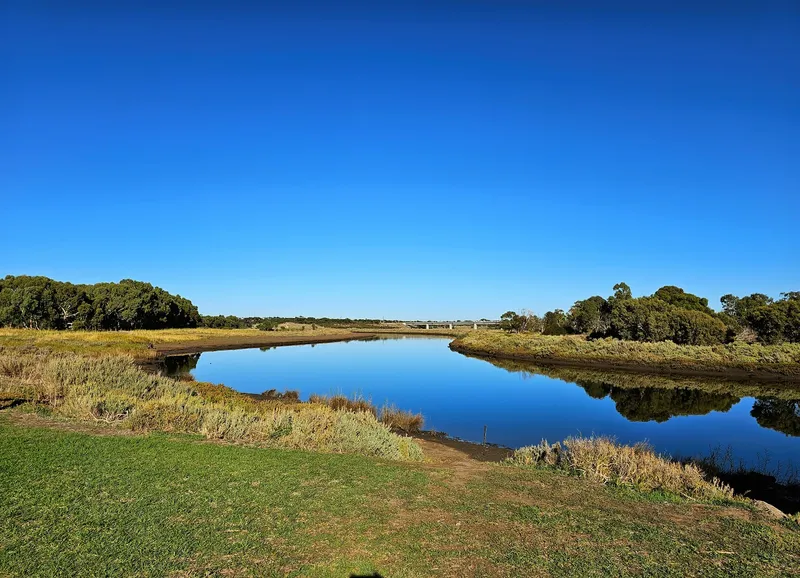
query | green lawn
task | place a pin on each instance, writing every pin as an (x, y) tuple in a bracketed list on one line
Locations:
[(78, 504)]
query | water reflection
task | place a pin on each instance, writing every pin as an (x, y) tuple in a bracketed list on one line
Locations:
[(646, 397), (779, 414), (177, 365), (662, 404)]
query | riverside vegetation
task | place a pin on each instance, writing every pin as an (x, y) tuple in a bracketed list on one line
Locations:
[(162, 503), (670, 314), (114, 391), (779, 361)]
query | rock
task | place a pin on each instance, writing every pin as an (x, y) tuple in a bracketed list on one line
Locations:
[(769, 509)]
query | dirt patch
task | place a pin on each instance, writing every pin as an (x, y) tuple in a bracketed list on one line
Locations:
[(460, 461), (437, 442)]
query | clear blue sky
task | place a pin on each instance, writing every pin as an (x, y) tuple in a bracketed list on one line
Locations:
[(417, 160)]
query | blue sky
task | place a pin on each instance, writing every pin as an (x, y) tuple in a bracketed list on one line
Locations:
[(409, 160)]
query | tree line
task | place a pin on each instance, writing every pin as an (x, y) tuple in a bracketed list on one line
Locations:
[(36, 302), (670, 314), (43, 303), (270, 323)]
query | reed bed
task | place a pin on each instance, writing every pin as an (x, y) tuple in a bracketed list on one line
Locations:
[(113, 390)]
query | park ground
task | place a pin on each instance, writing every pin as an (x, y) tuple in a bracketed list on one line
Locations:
[(91, 500)]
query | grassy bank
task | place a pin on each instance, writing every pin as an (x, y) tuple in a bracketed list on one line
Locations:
[(403, 330), (146, 344), (766, 361), (108, 505), (114, 391)]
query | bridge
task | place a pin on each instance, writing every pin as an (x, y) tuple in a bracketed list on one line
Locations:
[(450, 324)]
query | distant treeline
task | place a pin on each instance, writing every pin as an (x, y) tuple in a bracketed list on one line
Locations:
[(268, 323), (42, 303), (670, 314)]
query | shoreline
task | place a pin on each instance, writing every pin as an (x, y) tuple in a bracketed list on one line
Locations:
[(733, 373), (164, 350)]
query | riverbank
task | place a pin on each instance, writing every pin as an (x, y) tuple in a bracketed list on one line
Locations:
[(733, 361), (112, 389), (91, 501), (437, 332), (152, 345)]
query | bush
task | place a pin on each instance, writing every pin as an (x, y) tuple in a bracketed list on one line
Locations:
[(696, 328)]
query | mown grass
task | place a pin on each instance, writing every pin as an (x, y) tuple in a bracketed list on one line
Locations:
[(780, 360), (74, 504), (603, 460), (137, 342), (113, 390)]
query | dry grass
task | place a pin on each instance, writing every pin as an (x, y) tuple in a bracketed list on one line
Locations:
[(342, 402), (113, 390), (400, 419), (603, 460), (389, 415), (137, 342), (781, 359)]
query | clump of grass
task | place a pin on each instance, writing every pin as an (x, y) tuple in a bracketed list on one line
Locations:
[(638, 466), (342, 402), (400, 419), (115, 391)]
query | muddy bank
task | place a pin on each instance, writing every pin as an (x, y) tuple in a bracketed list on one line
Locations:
[(163, 350), (732, 373), (479, 452)]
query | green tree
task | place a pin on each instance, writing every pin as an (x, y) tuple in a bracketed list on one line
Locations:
[(589, 316), (622, 291), (511, 322), (555, 323), (680, 298)]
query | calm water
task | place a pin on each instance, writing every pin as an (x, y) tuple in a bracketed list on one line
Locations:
[(519, 404)]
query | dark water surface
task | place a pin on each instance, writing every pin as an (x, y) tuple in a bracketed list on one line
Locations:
[(521, 403)]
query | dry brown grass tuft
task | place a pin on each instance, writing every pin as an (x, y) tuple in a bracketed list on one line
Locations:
[(603, 460), (342, 402), (400, 419)]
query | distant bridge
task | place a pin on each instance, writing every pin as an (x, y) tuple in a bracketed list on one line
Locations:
[(449, 324)]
